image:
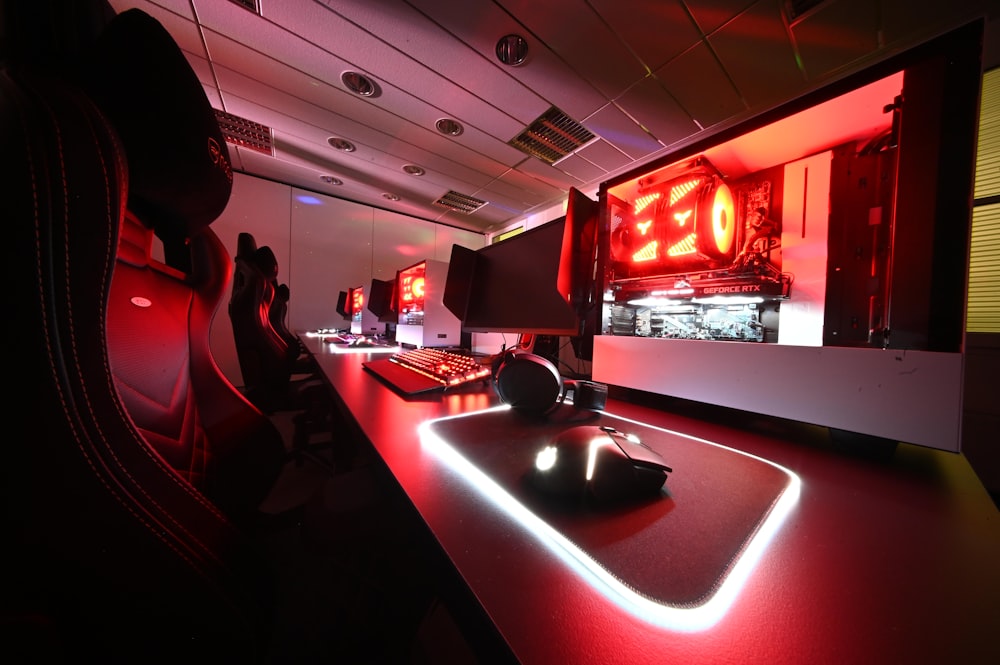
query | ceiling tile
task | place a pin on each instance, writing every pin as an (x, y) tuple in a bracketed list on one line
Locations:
[(457, 46), (549, 175), (603, 154), (836, 34), (701, 87), (655, 30), (710, 15), (902, 19), (580, 168), (756, 53), (615, 127), (653, 107), (574, 32)]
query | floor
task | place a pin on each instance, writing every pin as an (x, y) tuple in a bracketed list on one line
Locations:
[(357, 578)]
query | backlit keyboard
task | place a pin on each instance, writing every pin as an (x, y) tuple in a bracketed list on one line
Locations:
[(446, 367)]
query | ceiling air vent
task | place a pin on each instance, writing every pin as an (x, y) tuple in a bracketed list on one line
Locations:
[(795, 9), (252, 5), (460, 202), (245, 133), (553, 136)]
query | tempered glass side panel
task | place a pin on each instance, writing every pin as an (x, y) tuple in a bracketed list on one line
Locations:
[(841, 219)]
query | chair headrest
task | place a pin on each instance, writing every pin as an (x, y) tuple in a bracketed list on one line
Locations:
[(266, 262), (246, 245), (180, 177), (50, 34)]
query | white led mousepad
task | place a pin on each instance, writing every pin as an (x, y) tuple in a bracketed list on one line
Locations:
[(677, 558)]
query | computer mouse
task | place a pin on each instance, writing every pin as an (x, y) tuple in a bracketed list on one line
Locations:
[(598, 464)]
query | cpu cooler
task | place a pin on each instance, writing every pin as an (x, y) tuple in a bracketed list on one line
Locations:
[(683, 219)]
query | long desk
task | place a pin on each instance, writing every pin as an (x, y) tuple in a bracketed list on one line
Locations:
[(878, 560)]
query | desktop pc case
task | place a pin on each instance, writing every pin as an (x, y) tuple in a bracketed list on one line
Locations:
[(857, 276), (363, 321), (423, 320)]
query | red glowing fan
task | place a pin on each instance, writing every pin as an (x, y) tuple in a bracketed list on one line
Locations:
[(357, 300), (682, 219), (411, 288)]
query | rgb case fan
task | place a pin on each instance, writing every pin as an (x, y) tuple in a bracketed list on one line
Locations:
[(682, 220)]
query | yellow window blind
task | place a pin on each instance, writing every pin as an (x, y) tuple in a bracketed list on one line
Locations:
[(983, 312)]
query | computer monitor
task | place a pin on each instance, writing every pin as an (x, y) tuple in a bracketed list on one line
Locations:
[(381, 301), (343, 305), (539, 282)]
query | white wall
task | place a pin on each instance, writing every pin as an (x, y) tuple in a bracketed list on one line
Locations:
[(323, 245)]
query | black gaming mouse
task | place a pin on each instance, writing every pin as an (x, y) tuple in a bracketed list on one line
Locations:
[(598, 464)]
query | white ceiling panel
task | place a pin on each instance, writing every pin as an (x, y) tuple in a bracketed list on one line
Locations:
[(646, 76)]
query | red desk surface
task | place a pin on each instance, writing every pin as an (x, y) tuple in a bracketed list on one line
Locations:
[(879, 561)]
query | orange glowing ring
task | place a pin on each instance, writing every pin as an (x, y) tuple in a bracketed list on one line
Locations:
[(717, 222), (723, 219)]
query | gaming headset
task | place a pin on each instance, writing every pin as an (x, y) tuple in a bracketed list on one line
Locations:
[(530, 383)]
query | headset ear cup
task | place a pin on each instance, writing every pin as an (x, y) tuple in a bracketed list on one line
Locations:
[(498, 362), (528, 382)]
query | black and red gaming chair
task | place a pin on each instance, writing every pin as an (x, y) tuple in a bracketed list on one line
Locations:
[(265, 357), (278, 375), (130, 495), (278, 313)]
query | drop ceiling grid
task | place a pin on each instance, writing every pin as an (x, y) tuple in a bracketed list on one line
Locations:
[(649, 103), (701, 87), (657, 31), (574, 32), (396, 125), (377, 170), (835, 35), (758, 56), (447, 55), (403, 75), (621, 131), (313, 72), (320, 123)]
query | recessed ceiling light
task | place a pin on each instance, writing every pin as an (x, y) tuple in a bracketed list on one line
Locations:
[(413, 169), (360, 84), (330, 180), (341, 144), (390, 197), (512, 50), (449, 126)]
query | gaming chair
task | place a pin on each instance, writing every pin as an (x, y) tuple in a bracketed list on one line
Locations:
[(130, 497), (265, 357), (277, 375)]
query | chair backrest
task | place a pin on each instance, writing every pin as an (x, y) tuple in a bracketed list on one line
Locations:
[(160, 353), (123, 504), (266, 357), (278, 314)]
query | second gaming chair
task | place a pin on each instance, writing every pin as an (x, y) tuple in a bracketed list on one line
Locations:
[(278, 313), (246, 256), (277, 375), (264, 356), (129, 501)]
